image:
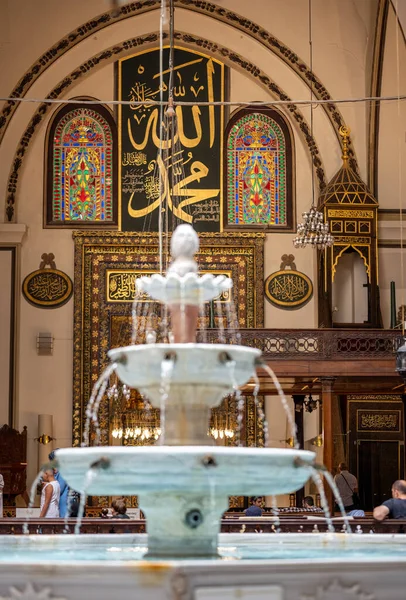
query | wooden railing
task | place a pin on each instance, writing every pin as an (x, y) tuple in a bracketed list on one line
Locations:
[(314, 344), (288, 524)]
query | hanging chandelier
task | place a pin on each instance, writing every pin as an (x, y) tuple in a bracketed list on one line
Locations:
[(132, 420), (223, 424), (313, 231)]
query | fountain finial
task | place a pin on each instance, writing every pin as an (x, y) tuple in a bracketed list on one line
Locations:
[(184, 245)]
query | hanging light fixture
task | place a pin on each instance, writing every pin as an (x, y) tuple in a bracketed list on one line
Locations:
[(313, 231), (132, 420), (222, 422)]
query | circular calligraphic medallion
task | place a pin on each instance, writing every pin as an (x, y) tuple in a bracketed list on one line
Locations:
[(288, 289), (47, 288)]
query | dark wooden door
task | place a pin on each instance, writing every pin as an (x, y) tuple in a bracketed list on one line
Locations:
[(378, 467)]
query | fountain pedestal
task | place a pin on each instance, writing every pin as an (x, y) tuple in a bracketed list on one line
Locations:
[(183, 524)]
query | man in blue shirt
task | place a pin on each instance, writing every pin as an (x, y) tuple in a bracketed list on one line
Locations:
[(395, 508), (63, 498), (255, 510)]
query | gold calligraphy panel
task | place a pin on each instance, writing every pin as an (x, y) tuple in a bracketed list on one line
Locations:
[(121, 285), (352, 213), (378, 420), (47, 288), (288, 289), (174, 164)]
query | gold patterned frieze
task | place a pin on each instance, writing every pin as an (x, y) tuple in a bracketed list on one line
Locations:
[(350, 214), (374, 397)]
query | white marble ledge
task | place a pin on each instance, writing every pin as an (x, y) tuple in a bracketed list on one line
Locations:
[(12, 233)]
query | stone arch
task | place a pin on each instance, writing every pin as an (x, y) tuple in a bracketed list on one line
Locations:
[(231, 58), (232, 19)]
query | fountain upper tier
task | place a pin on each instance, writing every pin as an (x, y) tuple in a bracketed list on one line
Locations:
[(182, 285), (185, 381)]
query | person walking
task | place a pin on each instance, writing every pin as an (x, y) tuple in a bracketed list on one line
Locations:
[(347, 486), (50, 496), (395, 507)]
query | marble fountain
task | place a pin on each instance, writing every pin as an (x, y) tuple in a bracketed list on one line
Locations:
[(183, 486)]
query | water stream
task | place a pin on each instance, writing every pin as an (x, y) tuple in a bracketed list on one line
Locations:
[(136, 314), (167, 366), (275, 513), (90, 477), (323, 500), (281, 394), (260, 410), (33, 492), (94, 403), (337, 497), (219, 311)]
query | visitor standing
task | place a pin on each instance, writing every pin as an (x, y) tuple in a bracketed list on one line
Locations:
[(395, 508), (49, 496), (64, 488), (255, 510), (347, 486)]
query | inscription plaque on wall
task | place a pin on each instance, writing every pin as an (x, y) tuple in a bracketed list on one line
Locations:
[(177, 166), (47, 287), (378, 420), (121, 285), (288, 288)]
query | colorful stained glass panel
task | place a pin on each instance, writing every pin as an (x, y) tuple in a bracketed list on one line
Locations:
[(82, 153), (256, 172)]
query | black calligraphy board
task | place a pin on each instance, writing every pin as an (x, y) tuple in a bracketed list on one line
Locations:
[(47, 288), (180, 166)]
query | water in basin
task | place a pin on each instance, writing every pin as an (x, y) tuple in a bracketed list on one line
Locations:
[(232, 547)]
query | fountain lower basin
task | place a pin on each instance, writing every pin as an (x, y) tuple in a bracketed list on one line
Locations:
[(254, 566), (183, 491)]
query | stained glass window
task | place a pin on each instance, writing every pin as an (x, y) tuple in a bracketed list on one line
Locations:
[(259, 170), (81, 167)]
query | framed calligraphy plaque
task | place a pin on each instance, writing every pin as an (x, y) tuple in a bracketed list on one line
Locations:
[(288, 289), (171, 163), (121, 285), (47, 288), (378, 420)]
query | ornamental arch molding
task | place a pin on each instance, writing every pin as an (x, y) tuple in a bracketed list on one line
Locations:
[(229, 57), (209, 9)]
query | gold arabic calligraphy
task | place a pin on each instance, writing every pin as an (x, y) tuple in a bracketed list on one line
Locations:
[(165, 180), (47, 286), (289, 287), (388, 421)]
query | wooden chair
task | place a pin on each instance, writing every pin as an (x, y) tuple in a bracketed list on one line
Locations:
[(13, 464)]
